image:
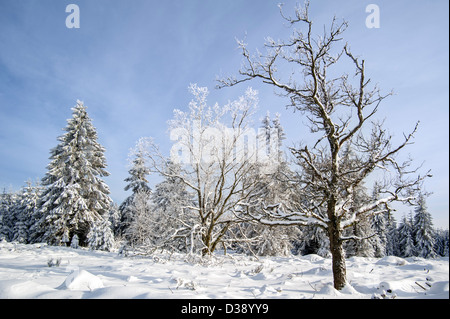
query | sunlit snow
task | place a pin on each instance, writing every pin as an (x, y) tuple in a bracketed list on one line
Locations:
[(41, 271)]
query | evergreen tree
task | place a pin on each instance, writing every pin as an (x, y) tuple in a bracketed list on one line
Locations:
[(8, 201), (361, 231), (271, 136), (140, 231), (24, 212), (379, 226), (392, 237), (406, 242), (441, 243), (272, 185), (279, 131), (313, 240), (362, 246), (173, 224), (137, 183), (266, 128), (75, 197), (445, 243), (74, 242), (100, 236), (114, 218), (273, 188), (423, 230)]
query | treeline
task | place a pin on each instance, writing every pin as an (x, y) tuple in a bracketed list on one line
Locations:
[(152, 219), (195, 211)]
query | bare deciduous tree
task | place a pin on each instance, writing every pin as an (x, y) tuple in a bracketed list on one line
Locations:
[(339, 108)]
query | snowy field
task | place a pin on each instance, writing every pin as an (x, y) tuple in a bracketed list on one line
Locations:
[(41, 271)]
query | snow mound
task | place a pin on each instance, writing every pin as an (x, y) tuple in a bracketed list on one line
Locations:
[(132, 279), (440, 287), (312, 258), (269, 289), (392, 261), (82, 280), (348, 289), (357, 260), (329, 290)]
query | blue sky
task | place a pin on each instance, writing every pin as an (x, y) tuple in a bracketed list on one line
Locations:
[(131, 62)]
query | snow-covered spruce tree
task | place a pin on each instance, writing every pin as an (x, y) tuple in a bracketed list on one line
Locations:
[(24, 212), (442, 242), (362, 229), (272, 183), (114, 218), (423, 231), (267, 240), (100, 236), (392, 236), (8, 204), (75, 197), (74, 243), (174, 223), (379, 241), (406, 246), (338, 109), (163, 219), (139, 231), (137, 183), (313, 240), (266, 131), (379, 227)]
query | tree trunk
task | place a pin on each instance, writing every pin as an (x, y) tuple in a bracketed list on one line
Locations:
[(206, 238), (336, 247), (338, 257)]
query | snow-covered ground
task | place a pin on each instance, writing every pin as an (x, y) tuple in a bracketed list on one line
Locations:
[(41, 271)]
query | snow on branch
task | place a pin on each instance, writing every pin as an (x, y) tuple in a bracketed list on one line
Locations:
[(276, 214)]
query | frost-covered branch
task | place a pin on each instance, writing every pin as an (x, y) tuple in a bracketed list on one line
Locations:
[(212, 162), (333, 171)]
